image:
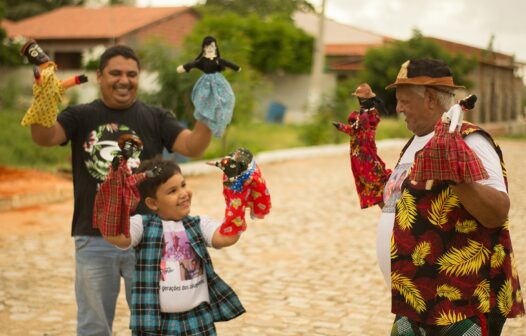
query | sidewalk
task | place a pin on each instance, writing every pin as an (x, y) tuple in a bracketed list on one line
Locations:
[(309, 268)]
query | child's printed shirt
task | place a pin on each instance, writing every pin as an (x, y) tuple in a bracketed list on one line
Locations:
[(183, 283)]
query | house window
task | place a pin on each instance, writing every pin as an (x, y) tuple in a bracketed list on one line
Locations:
[(68, 60)]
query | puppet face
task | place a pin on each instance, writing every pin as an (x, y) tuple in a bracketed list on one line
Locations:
[(129, 148), (119, 82), (173, 199), (210, 49)]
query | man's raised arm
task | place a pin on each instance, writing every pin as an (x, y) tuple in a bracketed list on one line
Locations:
[(46, 137)]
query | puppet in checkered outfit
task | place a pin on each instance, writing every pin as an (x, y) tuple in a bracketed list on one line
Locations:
[(47, 89), (447, 157), (243, 187), (370, 174), (212, 95), (118, 195)]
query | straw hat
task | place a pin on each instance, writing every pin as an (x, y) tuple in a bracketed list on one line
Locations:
[(428, 72), (129, 137), (364, 91)]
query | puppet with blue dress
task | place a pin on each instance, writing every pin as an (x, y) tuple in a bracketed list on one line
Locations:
[(212, 95)]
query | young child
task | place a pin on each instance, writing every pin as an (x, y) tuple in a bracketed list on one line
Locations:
[(167, 298)]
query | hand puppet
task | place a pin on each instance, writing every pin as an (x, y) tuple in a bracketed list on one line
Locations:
[(370, 174), (212, 94), (447, 157), (47, 88), (118, 196), (243, 187)]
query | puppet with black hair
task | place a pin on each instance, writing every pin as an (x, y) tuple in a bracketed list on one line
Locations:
[(370, 174), (447, 157), (212, 94), (118, 196), (47, 89), (243, 187)]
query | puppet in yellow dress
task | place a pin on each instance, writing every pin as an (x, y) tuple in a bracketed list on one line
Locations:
[(47, 89)]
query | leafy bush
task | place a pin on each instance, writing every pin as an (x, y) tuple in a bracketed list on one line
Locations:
[(17, 148), (10, 94)]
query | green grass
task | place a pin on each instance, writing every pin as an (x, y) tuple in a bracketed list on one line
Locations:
[(18, 150), (392, 128), (256, 136)]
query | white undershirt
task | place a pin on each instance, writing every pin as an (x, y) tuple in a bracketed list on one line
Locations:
[(477, 142)]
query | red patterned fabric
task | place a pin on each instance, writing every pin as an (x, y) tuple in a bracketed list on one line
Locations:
[(370, 174), (116, 199), (254, 194), (445, 265), (447, 157)]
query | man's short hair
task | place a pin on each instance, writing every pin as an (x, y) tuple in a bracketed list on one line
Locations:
[(169, 168), (117, 50)]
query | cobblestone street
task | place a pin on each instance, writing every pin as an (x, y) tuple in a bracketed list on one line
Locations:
[(309, 268)]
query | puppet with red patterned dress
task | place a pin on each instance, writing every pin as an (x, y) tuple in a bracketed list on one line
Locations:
[(243, 187), (370, 174)]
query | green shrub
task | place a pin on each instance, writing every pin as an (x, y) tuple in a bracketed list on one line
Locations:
[(18, 149), (10, 94)]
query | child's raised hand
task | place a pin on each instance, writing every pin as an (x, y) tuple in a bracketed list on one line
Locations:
[(180, 69)]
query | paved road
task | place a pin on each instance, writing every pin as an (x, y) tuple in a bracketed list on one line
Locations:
[(309, 268)]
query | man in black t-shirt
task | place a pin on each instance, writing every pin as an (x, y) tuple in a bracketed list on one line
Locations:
[(93, 130)]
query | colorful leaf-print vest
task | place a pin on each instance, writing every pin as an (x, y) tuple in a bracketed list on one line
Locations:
[(445, 266)]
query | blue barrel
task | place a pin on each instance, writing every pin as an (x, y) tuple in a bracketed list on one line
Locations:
[(276, 112)]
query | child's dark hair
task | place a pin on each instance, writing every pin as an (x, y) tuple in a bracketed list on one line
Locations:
[(168, 168), (117, 50)]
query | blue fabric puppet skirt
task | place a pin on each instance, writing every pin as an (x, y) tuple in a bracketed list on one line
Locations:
[(214, 101)]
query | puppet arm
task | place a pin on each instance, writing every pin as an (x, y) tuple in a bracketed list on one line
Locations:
[(231, 65), (342, 127)]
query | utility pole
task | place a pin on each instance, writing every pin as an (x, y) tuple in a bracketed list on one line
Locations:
[(318, 63)]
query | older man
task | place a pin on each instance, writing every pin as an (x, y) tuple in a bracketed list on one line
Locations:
[(93, 130), (445, 249)]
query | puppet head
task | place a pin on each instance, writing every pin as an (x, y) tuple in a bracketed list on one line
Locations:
[(209, 47), (34, 54), (234, 164), (129, 144), (365, 95)]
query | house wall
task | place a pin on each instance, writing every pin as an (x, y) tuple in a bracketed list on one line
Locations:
[(293, 92), (499, 107)]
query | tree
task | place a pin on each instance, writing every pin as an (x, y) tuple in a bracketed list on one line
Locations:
[(262, 8), (9, 54), (247, 41), (18, 10), (381, 65)]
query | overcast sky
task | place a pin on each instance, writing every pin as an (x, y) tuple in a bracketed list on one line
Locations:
[(469, 22)]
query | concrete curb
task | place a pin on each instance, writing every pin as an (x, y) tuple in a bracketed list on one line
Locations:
[(196, 168)]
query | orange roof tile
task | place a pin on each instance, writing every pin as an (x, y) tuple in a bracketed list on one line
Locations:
[(6, 24), (90, 23), (497, 58), (348, 49)]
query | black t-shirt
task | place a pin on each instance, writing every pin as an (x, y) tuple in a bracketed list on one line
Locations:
[(93, 130)]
